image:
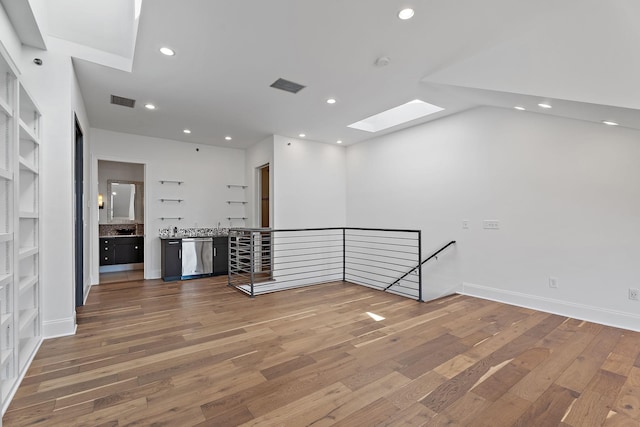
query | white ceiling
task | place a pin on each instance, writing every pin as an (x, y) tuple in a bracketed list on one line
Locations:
[(580, 55), (103, 25)]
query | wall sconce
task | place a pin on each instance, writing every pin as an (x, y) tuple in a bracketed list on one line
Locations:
[(100, 202)]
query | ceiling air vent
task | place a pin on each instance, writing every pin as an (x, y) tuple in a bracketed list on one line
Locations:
[(125, 102), (288, 86)]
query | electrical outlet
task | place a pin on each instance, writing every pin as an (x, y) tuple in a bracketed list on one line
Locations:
[(465, 224), (491, 224), (633, 294), (553, 282)]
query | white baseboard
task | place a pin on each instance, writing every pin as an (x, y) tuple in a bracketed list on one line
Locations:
[(618, 319), (59, 328)]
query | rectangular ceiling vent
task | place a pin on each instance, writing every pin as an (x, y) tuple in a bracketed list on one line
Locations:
[(288, 86), (125, 102)]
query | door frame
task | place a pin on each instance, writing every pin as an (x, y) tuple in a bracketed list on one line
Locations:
[(94, 261), (78, 226)]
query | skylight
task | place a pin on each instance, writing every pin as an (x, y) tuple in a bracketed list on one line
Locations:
[(396, 116)]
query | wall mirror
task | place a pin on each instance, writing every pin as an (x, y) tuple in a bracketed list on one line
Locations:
[(126, 201)]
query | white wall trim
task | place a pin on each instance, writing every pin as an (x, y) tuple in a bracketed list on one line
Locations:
[(87, 289), (617, 319), (153, 274), (59, 327)]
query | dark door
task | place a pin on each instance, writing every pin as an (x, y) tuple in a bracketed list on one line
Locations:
[(126, 254), (171, 258), (265, 256), (79, 217)]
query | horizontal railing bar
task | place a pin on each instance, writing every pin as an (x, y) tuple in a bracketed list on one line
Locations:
[(328, 269), (383, 262), (366, 278), (320, 229), (314, 253), (365, 271), (307, 265), (297, 286), (301, 278), (379, 249), (377, 236), (379, 255), (284, 236), (303, 243), (380, 243), (350, 249), (278, 249), (374, 267)]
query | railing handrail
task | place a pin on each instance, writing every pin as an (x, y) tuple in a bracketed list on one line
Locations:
[(265, 230), (433, 255)]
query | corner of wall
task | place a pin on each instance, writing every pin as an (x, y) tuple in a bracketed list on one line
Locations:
[(59, 327)]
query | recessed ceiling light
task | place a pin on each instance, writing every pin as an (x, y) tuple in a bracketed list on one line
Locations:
[(405, 14), (543, 105), (395, 116), (331, 101), (302, 135), (519, 108), (187, 131), (339, 141), (228, 138), (609, 123), (167, 51), (149, 106)]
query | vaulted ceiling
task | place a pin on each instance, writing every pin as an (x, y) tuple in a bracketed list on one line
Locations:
[(580, 56)]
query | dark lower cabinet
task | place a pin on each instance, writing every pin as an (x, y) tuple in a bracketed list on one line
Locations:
[(171, 259), (107, 251), (220, 255), (121, 250)]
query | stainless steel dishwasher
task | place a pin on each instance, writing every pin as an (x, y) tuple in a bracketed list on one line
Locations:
[(197, 256)]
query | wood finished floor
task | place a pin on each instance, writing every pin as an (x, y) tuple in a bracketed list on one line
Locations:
[(121, 276), (199, 353)]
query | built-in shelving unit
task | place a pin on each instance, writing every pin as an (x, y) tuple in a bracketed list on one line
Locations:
[(20, 289), (236, 202)]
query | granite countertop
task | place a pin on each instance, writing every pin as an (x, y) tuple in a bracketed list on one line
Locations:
[(121, 235), (184, 236)]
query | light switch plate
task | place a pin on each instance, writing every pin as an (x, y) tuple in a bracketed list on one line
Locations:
[(491, 224)]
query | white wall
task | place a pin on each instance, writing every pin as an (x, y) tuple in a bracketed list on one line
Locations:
[(205, 171), (566, 193), (258, 156), (309, 184), (52, 86)]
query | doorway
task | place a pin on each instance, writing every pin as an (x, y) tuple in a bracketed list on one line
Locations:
[(121, 213), (265, 219), (78, 178)]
